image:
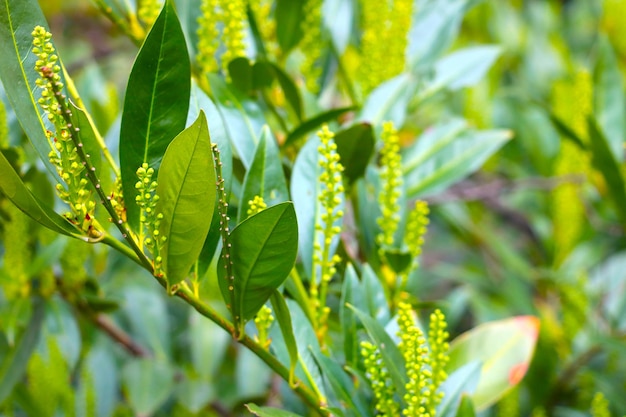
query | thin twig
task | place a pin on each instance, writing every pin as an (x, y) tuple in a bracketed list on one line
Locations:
[(120, 336)]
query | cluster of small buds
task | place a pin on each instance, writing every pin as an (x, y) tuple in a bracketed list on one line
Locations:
[(17, 253), (438, 340), (149, 10), (263, 322), (600, 406), (234, 30), (391, 179), (380, 381), (149, 219), (330, 199), (64, 154), (417, 361), (384, 40), (256, 205), (311, 44), (416, 228), (208, 36), (117, 199)]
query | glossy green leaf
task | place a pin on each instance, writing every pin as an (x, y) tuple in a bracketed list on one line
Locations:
[(242, 116), (240, 72), (186, 187), (292, 94), (87, 136), (263, 74), (148, 384), (446, 154), (13, 367), (219, 136), (288, 14), (374, 294), (281, 312), (399, 260), (305, 187), (605, 162), (462, 68), (18, 18), (342, 386), (389, 101), (355, 146), (265, 177), (314, 123), (263, 251), (466, 408), (609, 99), (504, 347), (14, 189), (458, 385), (156, 102), (392, 358), (269, 411)]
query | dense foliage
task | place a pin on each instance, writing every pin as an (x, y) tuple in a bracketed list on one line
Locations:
[(293, 208)]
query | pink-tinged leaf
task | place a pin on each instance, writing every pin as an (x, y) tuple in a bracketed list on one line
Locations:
[(504, 347)]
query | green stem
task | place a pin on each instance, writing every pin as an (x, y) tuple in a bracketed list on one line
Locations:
[(274, 111), (300, 388), (131, 29), (298, 292)]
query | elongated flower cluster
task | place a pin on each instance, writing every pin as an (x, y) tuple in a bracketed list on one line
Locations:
[(263, 322), (391, 183), (424, 361), (149, 10), (149, 219), (600, 406), (230, 15), (384, 40), (64, 153), (311, 44), (380, 381), (416, 228), (17, 251), (330, 200), (256, 205)]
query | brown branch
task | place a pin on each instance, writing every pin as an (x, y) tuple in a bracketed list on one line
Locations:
[(120, 336)]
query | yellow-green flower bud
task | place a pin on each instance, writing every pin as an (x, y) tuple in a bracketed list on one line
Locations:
[(256, 205), (149, 10), (391, 184), (600, 406), (208, 36), (234, 32), (311, 44), (263, 322), (380, 381)]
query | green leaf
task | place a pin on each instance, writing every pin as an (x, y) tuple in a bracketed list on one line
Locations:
[(342, 385), (281, 312), (156, 102), (355, 146), (389, 101), (87, 136), (466, 408), (459, 384), (14, 189), (148, 384), (265, 177), (392, 358), (504, 347), (609, 100), (240, 71), (462, 68), (269, 411), (288, 14), (399, 260), (14, 364), (186, 187), (605, 162), (263, 251), (219, 136), (292, 94), (315, 122), (374, 293), (18, 18), (242, 116), (446, 154)]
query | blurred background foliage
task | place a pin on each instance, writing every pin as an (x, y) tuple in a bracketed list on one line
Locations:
[(538, 230)]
